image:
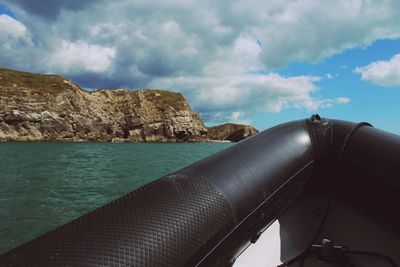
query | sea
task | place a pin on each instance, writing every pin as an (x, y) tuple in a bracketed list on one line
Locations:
[(46, 184)]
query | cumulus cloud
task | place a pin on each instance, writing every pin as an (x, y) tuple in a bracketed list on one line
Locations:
[(11, 27), (166, 37), (310, 30), (234, 96), (14, 37), (210, 43), (230, 87), (233, 117), (383, 73), (81, 57), (51, 9)]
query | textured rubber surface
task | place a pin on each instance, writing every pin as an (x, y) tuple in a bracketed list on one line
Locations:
[(251, 171), (161, 224)]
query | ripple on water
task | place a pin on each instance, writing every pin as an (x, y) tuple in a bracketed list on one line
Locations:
[(45, 184)]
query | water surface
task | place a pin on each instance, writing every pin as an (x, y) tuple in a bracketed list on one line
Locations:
[(45, 184)]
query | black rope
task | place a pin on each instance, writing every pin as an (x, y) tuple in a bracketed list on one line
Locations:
[(349, 134)]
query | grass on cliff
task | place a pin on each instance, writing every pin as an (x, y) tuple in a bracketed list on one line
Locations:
[(25, 79), (166, 97), (55, 83)]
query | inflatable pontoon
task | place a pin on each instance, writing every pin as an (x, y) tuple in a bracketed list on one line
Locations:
[(313, 192)]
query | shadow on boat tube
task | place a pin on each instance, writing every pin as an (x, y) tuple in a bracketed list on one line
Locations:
[(313, 192)]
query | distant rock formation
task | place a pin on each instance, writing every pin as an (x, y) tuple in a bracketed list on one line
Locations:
[(37, 107), (231, 132)]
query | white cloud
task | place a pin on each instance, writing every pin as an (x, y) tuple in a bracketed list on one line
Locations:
[(223, 55), (231, 97), (328, 76), (343, 100), (16, 44), (236, 117), (163, 38), (384, 73), (312, 30), (81, 56), (11, 27), (243, 56), (230, 87)]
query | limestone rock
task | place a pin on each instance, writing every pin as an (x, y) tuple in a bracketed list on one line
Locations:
[(50, 107), (230, 131)]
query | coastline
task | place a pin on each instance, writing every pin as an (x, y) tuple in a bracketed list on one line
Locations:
[(110, 141)]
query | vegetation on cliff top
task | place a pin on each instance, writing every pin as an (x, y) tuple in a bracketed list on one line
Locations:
[(46, 82)]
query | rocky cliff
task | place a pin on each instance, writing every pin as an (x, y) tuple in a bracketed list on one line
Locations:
[(231, 132), (50, 107)]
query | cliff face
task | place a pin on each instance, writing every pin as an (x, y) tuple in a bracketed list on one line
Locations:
[(231, 132), (50, 107)]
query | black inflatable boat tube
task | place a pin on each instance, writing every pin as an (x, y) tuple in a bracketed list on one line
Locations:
[(202, 214), (373, 154)]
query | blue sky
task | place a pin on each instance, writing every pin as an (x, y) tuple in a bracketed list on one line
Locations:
[(376, 104), (257, 62), (6, 10)]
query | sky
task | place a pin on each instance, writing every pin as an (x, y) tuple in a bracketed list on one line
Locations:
[(247, 61)]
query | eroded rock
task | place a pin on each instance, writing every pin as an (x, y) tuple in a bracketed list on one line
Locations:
[(50, 107)]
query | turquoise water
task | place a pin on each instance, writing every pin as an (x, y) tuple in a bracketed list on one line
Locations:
[(43, 185)]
